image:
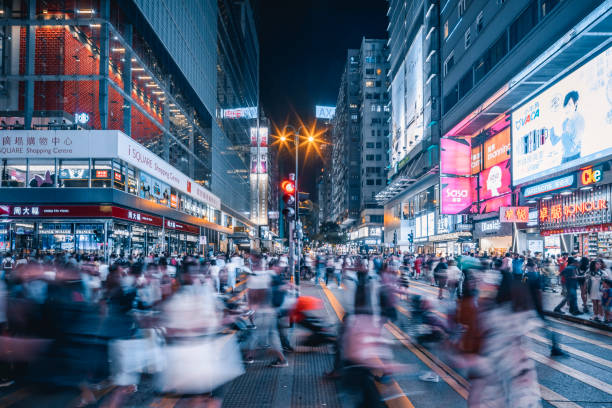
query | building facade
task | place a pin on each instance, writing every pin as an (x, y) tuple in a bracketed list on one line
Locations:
[(360, 133), (146, 71)]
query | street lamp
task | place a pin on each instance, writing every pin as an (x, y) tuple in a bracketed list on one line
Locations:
[(296, 140)]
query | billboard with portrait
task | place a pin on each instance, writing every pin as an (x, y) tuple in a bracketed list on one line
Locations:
[(567, 125), (456, 195), (495, 181), (455, 157)]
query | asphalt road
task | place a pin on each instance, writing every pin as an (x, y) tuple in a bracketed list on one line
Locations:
[(583, 378)]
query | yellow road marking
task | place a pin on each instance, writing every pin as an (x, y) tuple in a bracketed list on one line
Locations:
[(556, 400), (578, 375), (165, 402), (239, 295), (398, 334), (572, 350), (401, 401)]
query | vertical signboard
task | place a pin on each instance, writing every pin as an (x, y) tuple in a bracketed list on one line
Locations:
[(259, 175)]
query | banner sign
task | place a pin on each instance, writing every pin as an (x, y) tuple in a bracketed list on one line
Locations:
[(514, 214)]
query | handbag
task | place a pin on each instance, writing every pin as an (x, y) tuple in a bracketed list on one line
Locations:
[(199, 365)]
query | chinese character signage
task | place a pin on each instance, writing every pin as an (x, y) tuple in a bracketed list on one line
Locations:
[(581, 209), (514, 214)]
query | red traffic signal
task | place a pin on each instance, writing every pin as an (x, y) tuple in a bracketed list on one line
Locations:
[(288, 187)]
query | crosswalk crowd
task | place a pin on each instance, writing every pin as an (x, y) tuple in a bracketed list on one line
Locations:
[(192, 324)]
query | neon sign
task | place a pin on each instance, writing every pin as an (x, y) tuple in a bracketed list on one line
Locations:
[(558, 211), (591, 175)]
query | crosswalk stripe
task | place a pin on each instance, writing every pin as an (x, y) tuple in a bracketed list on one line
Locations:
[(582, 327), (578, 375), (401, 401), (572, 350), (556, 400), (581, 338)]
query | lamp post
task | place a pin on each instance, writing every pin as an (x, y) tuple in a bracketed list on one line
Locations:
[(295, 263)]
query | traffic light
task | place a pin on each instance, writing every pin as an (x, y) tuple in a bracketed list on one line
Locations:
[(288, 187), (410, 237)]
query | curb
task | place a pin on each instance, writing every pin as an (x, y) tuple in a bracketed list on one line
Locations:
[(570, 318)]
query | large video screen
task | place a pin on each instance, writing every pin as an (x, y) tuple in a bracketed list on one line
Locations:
[(457, 194), (567, 125), (455, 157)]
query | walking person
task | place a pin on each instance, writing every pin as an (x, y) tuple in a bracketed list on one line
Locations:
[(593, 290), (570, 281)]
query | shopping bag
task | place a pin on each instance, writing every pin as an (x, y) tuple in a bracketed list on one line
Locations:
[(198, 366)]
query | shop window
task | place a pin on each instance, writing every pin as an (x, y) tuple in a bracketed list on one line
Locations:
[(73, 173), (118, 176), (132, 181), (101, 173), (465, 83), (13, 173), (42, 173)]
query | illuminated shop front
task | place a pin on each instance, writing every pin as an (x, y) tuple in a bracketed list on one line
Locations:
[(141, 204)]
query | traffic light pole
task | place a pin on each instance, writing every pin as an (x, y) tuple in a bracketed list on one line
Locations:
[(296, 276)]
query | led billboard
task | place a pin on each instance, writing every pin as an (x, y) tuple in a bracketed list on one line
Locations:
[(495, 181), (325, 112), (457, 194), (497, 148), (455, 157), (567, 125)]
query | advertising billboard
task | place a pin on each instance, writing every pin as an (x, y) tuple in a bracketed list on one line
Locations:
[(455, 157), (325, 112), (476, 160), (567, 125), (495, 181), (457, 194), (497, 148), (494, 204)]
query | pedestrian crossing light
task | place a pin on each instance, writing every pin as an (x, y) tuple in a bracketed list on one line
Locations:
[(288, 187)]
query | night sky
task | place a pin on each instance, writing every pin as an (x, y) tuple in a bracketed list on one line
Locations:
[(303, 50)]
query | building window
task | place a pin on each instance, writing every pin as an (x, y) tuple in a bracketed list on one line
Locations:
[(369, 145), (373, 132), (369, 71), (377, 218), (369, 84), (378, 182), (378, 157), (73, 173), (373, 108), (479, 23), (448, 64), (465, 83), (378, 132), (378, 108), (354, 117), (548, 5), (353, 106), (369, 182), (13, 173), (386, 108), (461, 7), (467, 38), (378, 71), (523, 24), (378, 145), (378, 84), (369, 157), (368, 96), (446, 29), (42, 173), (450, 99)]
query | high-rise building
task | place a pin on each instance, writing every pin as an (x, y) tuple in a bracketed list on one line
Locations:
[(121, 111), (412, 179), (360, 133)]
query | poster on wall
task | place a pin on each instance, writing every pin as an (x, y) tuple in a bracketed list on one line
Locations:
[(455, 157), (495, 181), (431, 224), (457, 194), (152, 187), (497, 148), (418, 228), (565, 125)]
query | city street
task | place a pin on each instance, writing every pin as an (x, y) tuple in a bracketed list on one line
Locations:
[(580, 379)]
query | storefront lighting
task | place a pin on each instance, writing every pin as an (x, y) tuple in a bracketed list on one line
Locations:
[(95, 25), (175, 110), (133, 59), (144, 77), (151, 84), (137, 69), (118, 49), (157, 92), (546, 198), (85, 11), (566, 193), (531, 202), (587, 188)]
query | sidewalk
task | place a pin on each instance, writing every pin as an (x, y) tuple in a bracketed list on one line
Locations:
[(550, 300)]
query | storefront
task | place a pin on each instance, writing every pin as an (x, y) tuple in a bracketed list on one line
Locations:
[(494, 237), (582, 221), (96, 229)]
